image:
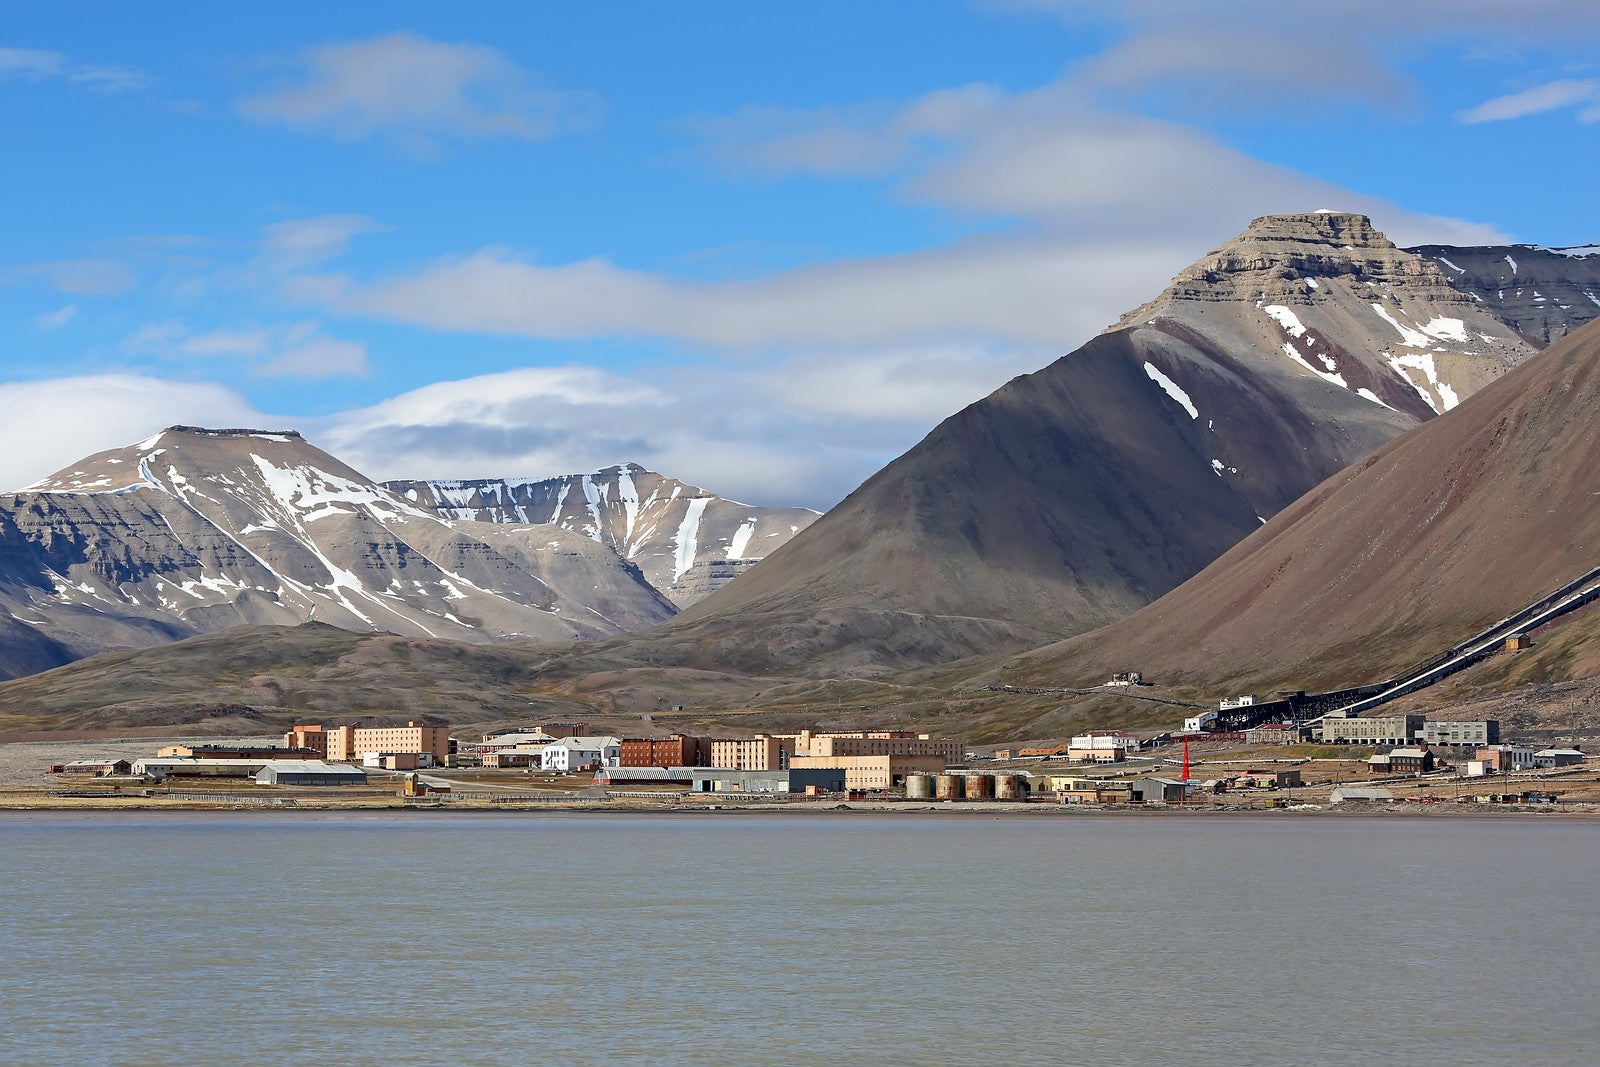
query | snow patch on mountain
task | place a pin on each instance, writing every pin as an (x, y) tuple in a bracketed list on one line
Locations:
[(688, 537), (1172, 389), (1287, 319), (739, 545), (1424, 362)]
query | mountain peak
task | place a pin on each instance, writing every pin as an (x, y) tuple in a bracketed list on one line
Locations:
[(202, 431)]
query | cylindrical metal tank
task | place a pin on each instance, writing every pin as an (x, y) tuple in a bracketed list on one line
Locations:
[(1007, 786), (919, 787), (948, 787), (980, 787)]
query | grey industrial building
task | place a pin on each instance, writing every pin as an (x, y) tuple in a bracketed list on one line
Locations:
[(309, 772)]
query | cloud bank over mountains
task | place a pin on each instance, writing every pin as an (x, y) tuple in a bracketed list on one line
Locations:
[(1059, 206)]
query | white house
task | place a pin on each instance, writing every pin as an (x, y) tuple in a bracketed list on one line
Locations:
[(575, 753)]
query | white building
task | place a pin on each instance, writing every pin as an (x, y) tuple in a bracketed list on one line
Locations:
[(1102, 746), (576, 753)]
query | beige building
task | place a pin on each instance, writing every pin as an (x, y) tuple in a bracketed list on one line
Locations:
[(873, 772), (763, 752), (883, 743), (352, 743), (314, 738), (1378, 730)]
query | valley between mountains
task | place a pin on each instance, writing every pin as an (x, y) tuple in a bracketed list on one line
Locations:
[(1311, 461)]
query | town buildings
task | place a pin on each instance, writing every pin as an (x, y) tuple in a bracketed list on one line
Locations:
[(1474, 733), (312, 738), (1102, 746), (580, 754), (351, 743), (1502, 759), (764, 752), (678, 750), (1377, 730)]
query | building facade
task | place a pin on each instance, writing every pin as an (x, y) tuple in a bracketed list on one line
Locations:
[(880, 743), (351, 743), (1475, 734), (679, 750), (310, 737), (1504, 758), (764, 752), (1381, 730), (580, 753), (872, 772)]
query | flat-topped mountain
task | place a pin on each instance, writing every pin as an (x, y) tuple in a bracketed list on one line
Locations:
[(687, 541), (1075, 495), (194, 530)]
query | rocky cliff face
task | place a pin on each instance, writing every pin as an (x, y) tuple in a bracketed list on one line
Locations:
[(1542, 293), (687, 542), (194, 530), (1332, 296)]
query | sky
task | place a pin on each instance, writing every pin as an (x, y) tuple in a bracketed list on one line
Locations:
[(764, 248)]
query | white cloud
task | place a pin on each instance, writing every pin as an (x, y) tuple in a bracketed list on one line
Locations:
[(50, 424), (34, 64), (420, 93), (58, 318), (308, 353), (296, 243), (83, 277), (282, 350), (1112, 205), (1551, 96), (225, 343), (1051, 290), (725, 429), (1266, 55), (919, 385)]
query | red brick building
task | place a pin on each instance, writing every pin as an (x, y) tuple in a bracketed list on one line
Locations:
[(675, 751)]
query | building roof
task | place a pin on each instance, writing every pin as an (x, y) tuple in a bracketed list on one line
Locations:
[(521, 737), (645, 774), (313, 766), (1359, 792), (585, 744), (1413, 752)]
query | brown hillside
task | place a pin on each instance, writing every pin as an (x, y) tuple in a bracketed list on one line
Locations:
[(1445, 530)]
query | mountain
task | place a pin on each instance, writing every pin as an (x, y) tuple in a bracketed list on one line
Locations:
[(1073, 496), (687, 542), (1440, 534), (194, 530), (1542, 293)]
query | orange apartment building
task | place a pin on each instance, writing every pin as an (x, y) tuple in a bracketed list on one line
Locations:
[(762, 752), (881, 743), (350, 743), (313, 738)]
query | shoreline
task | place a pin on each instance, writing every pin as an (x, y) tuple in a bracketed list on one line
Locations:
[(380, 808)]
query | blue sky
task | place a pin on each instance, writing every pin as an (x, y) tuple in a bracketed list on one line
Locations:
[(761, 247)]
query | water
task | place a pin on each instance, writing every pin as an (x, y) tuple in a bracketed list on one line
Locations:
[(460, 939)]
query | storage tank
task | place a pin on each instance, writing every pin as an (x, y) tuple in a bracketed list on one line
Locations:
[(980, 787), (919, 787), (1007, 786), (948, 787)]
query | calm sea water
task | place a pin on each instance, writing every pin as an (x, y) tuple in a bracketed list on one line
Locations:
[(420, 938)]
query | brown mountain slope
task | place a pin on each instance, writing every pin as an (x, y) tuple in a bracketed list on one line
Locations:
[(1073, 496), (1442, 532)]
